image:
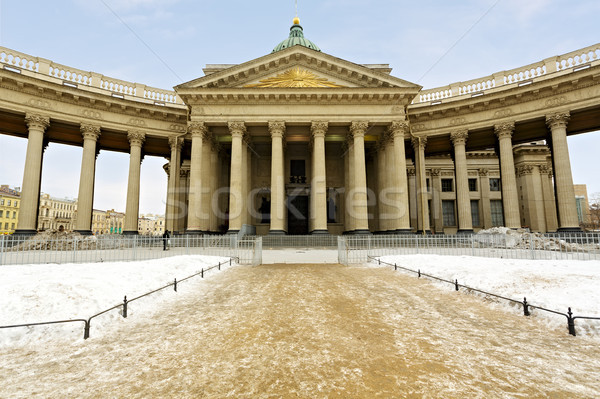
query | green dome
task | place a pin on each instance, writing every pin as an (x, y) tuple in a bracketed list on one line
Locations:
[(296, 38)]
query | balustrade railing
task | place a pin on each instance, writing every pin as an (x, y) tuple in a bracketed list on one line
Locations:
[(18, 62)]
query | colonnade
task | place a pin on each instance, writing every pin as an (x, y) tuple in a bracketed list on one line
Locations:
[(392, 180)]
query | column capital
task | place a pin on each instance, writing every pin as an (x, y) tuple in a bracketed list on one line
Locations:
[(319, 128), (419, 142), (399, 129), (459, 137), (38, 121), (435, 172), (136, 137), (90, 132), (559, 119), (175, 142), (276, 128), (524, 170), (483, 171), (411, 171), (505, 129), (197, 128), (358, 128), (545, 169), (237, 128)]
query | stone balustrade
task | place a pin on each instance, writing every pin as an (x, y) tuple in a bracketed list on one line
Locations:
[(18, 62), (574, 60)]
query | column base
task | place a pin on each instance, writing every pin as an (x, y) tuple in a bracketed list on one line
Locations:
[(427, 232), (24, 233), (403, 231), (194, 232), (465, 231), (84, 232), (320, 232), (277, 233), (130, 233), (232, 231), (360, 232), (569, 230)]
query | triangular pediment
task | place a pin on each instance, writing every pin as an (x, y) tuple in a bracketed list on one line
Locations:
[(296, 67)]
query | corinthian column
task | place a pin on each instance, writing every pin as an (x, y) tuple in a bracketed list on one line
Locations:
[(361, 218), (510, 197), (30, 191), (563, 179), (199, 132), (277, 130), (319, 180), (132, 208), (236, 198), (419, 144), (400, 213), (463, 199), (85, 199), (173, 208)]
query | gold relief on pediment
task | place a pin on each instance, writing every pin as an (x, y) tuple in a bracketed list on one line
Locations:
[(295, 77)]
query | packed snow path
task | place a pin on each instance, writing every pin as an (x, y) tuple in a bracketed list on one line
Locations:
[(314, 331)]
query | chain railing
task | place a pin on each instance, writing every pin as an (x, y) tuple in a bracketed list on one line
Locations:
[(124, 305), (114, 248), (356, 249), (526, 305)]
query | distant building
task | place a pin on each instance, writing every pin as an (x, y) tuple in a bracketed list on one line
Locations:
[(582, 203), (151, 225), (9, 209), (56, 213)]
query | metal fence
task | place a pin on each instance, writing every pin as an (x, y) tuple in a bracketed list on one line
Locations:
[(527, 307), (123, 305), (111, 248), (298, 241), (356, 249)]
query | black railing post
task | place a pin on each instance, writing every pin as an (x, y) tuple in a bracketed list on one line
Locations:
[(219, 265), (175, 285), (86, 330), (379, 262), (456, 284), (571, 323), (125, 306), (395, 267), (419, 273), (229, 261), (202, 273), (525, 307)]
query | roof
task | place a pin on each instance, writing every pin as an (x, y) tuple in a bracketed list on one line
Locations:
[(296, 38)]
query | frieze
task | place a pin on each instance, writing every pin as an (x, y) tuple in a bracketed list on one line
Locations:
[(177, 128), (38, 103), (556, 101), (91, 114), (503, 113), (458, 121), (137, 122)]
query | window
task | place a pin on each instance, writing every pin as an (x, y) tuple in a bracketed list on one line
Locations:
[(472, 184), (14, 214), (494, 184), (8, 203), (5, 226), (475, 212), (1, 213), (448, 213), (497, 213), (12, 226), (1, 201), (447, 185), (16, 203)]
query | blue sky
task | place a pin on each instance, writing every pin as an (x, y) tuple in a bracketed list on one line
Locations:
[(163, 43)]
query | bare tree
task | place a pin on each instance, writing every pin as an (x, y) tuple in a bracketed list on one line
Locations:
[(595, 211)]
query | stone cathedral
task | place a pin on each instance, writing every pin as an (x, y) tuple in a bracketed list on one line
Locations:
[(301, 142)]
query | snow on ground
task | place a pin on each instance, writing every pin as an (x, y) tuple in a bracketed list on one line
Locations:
[(49, 292), (552, 284)]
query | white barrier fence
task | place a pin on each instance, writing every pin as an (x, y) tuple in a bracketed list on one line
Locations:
[(356, 249), (90, 249)]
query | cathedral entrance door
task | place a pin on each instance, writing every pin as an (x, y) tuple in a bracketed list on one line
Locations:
[(298, 215)]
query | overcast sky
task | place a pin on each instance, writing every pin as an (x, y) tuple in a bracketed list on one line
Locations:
[(163, 43)]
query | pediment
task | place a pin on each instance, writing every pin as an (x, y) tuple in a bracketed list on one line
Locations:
[(296, 67)]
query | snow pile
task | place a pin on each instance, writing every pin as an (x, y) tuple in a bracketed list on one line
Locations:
[(57, 241), (524, 239), (40, 293), (551, 284)]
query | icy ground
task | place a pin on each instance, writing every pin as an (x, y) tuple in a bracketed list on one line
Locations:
[(551, 284), (317, 330)]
